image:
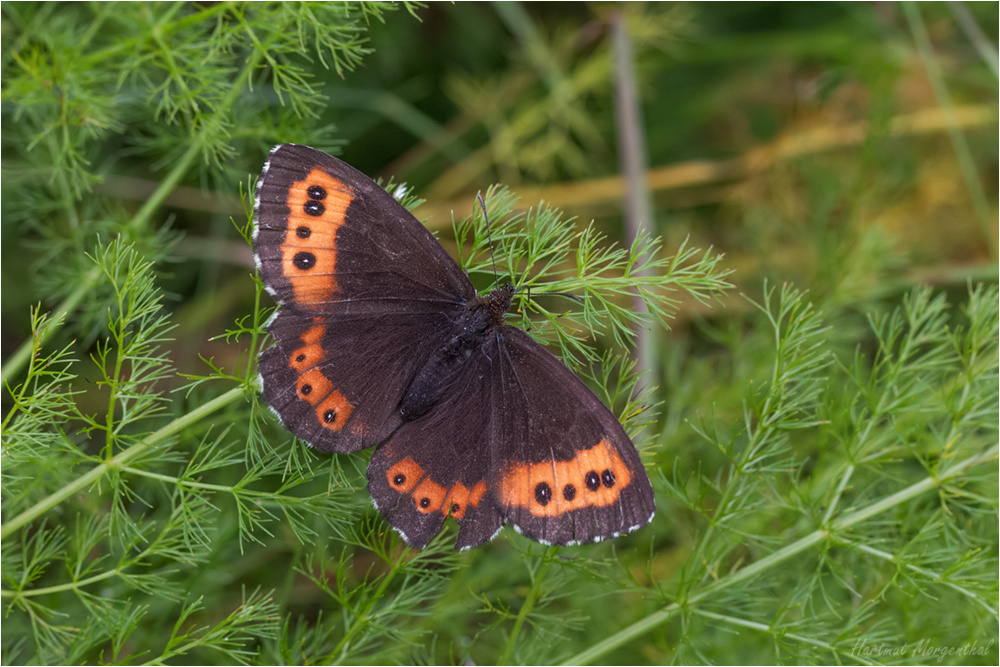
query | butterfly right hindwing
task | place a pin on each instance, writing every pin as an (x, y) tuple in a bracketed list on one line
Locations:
[(570, 473), (440, 465)]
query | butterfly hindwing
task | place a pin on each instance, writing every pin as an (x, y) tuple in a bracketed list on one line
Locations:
[(336, 382), (439, 465), (518, 439), (571, 473)]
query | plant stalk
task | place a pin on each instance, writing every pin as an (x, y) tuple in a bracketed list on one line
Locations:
[(93, 475), (656, 618)]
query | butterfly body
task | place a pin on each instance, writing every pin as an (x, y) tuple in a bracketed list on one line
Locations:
[(482, 318), (381, 340)]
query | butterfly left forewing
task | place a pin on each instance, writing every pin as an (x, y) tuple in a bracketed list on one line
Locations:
[(325, 234)]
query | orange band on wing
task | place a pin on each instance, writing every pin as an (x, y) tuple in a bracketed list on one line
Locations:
[(312, 386), (313, 334), (306, 357), (318, 208), (334, 411), (404, 475), (594, 478), (332, 407), (460, 497), (429, 496)]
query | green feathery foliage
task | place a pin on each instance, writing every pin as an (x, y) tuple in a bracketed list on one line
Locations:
[(825, 462)]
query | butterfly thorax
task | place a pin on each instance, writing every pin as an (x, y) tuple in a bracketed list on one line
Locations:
[(469, 331), (497, 303)]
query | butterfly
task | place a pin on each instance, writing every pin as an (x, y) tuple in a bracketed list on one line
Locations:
[(380, 340)]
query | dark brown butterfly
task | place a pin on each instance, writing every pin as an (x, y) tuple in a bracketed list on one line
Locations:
[(381, 340)]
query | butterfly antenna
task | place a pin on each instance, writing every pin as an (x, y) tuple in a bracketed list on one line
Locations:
[(489, 236), (575, 297)]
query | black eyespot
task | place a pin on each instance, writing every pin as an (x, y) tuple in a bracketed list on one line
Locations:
[(399, 479), (306, 389), (425, 502), (569, 492), (304, 260), (314, 208), (330, 416), (454, 508), (608, 478), (543, 494), (303, 232), (316, 192), (593, 480), (300, 358)]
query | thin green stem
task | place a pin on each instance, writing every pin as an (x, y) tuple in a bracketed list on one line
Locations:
[(958, 141), (987, 52), (260, 496), (114, 382), (257, 324), (840, 490), (87, 479), (933, 576), (361, 619), (527, 607), (73, 585), (646, 624), (743, 623)]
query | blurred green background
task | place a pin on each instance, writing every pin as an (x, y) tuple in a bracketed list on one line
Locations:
[(848, 149)]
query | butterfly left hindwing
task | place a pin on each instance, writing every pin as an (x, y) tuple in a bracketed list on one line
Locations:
[(381, 340)]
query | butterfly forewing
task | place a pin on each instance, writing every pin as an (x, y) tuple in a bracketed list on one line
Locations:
[(325, 233)]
